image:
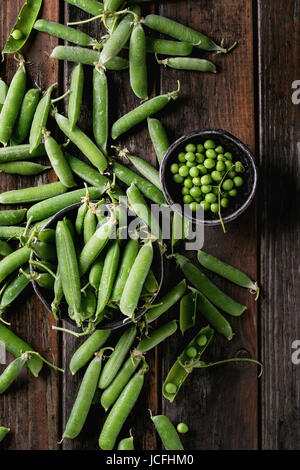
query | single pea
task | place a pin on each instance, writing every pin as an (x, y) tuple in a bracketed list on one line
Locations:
[(171, 388), (228, 155), (239, 167), (17, 34), (231, 174), (202, 169), (187, 199), (182, 428), (185, 191), (206, 188), (210, 197), (200, 157), (201, 340), (224, 202), (195, 191), (190, 148), (220, 166), (232, 192), (227, 185), (191, 351), (221, 158), (214, 208), (181, 157), (206, 179), (197, 181), (209, 163), (205, 205), (215, 190), (238, 181), (193, 206), (200, 148), (191, 164), (216, 176), (211, 153), (178, 179), (184, 171), (228, 165), (219, 149), (188, 183), (209, 144), (194, 172), (198, 199), (174, 168), (190, 157)]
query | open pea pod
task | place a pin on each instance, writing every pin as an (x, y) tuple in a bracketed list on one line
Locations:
[(23, 26), (184, 364)]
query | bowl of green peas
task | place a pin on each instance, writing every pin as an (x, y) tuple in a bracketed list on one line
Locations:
[(210, 170)]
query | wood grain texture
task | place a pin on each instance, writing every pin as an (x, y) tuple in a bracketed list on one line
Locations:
[(279, 52)]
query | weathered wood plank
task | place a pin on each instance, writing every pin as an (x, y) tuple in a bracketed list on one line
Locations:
[(279, 160)]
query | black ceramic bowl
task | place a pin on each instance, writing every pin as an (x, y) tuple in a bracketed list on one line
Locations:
[(46, 296), (172, 191)]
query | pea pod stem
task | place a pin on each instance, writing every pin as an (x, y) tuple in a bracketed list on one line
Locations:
[(204, 365)]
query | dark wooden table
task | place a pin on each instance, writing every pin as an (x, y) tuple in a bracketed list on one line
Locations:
[(251, 97)]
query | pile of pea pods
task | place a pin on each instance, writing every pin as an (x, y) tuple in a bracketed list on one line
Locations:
[(103, 275)]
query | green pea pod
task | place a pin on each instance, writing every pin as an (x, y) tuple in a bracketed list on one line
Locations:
[(76, 91), (3, 93), (3, 432), (36, 193), (84, 398), (138, 62), (89, 6), (126, 444), (10, 232), (68, 267), (14, 261), (17, 347), (44, 251), (142, 210), (44, 280), (116, 359), (120, 411), (86, 56), (185, 364), (89, 225), (22, 168), (180, 228), (83, 142), (14, 289), (189, 63), (86, 351), (64, 32), (12, 371), (12, 104), (158, 137), (58, 293), (166, 47), (142, 112), (136, 279), (5, 249), (108, 276), (58, 161), (167, 433), (100, 108), (40, 119), (88, 304), (146, 169), (23, 26), (113, 5), (187, 316), (129, 254), (96, 272), (23, 123), (20, 152), (12, 217), (213, 316), (151, 285), (47, 235), (79, 222)]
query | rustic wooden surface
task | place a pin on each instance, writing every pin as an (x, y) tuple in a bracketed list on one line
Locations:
[(228, 407)]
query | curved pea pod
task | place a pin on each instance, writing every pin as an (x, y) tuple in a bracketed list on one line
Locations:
[(10, 232), (138, 62), (126, 444), (96, 273), (76, 91), (12, 104), (68, 267), (86, 56), (166, 302), (20, 152), (167, 432), (23, 123), (23, 26), (12, 217), (79, 222), (127, 176), (64, 32), (35, 193), (184, 33), (89, 6), (22, 168), (12, 371), (3, 432), (14, 261), (142, 210), (185, 364), (51, 206), (187, 315), (228, 272), (189, 63), (58, 161), (44, 251), (100, 108), (206, 287), (151, 285), (5, 249), (129, 254), (142, 112), (213, 316), (136, 279), (95, 245), (116, 359), (44, 280), (14, 289), (89, 225), (112, 5), (166, 47), (120, 411), (84, 398), (158, 137), (86, 351), (146, 169), (108, 276), (47, 235), (3, 93), (83, 142), (17, 347), (40, 119), (88, 304)]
